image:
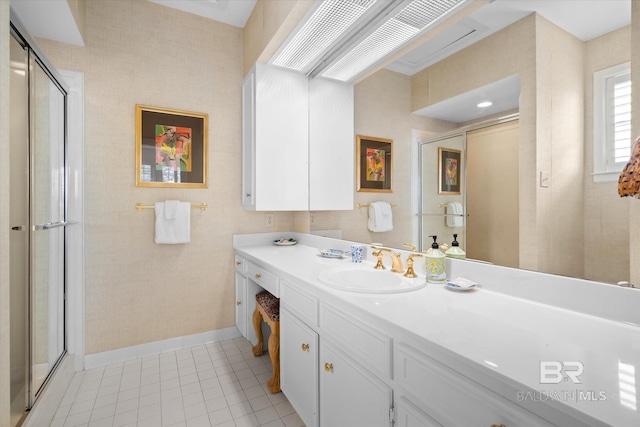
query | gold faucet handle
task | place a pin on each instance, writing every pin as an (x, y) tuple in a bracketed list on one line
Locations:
[(410, 273), (378, 254), (410, 246)]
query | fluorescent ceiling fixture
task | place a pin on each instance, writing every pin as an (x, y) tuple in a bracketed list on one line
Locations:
[(407, 24), (325, 26), (485, 104)]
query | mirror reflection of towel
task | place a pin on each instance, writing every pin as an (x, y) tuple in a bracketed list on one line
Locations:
[(380, 217), (173, 222), (454, 216)]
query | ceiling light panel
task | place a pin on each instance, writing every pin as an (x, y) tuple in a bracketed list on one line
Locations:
[(408, 23), (327, 24)]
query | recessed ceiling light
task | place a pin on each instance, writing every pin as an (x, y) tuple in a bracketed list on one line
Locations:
[(485, 104)]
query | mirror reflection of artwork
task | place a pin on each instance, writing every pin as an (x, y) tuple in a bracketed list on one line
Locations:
[(173, 148), (375, 165), (451, 168), (448, 171)]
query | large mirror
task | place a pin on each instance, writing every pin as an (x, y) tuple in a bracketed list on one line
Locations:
[(567, 224)]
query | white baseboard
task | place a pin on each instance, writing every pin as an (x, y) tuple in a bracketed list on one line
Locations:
[(149, 349), (49, 400)]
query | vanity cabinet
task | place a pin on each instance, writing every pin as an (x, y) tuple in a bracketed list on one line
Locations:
[(325, 370), (299, 354), (292, 128), (349, 394), (422, 382), (250, 279), (241, 295)]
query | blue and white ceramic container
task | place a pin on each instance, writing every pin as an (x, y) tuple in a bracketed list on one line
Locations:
[(357, 252)]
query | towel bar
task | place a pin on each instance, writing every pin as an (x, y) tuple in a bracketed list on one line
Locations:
[(139, 206), (360, 205)]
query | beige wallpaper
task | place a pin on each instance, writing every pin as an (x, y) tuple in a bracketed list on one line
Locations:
[(138, 52), (506, 53), (606, 225), (551, 126), (383, 110)]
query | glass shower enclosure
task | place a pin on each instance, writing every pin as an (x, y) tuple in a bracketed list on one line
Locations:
[(38, 220)]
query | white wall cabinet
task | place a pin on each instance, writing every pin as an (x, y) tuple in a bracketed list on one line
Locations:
[(275, 140), (292, 130), (331, 145)]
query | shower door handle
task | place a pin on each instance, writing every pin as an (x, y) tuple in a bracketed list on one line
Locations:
[(50, 225)]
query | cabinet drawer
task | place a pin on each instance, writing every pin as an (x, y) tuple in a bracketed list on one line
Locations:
[(440, 392), (367, 345), (266, 280), (240, 264), (304, 305)]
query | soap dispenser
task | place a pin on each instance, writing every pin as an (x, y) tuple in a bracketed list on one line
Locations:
[(435, 263), (455, 251)]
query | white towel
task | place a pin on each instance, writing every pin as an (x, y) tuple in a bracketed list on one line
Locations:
[(454, 216), (173, 222), (380, 217)]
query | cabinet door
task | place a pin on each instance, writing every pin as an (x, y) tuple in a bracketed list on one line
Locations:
[(408, 415), (241, 304), (281, 140), (349, 394), (299, 366), (331, 145)]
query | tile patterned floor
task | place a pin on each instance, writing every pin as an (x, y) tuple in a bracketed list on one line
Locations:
[(216, 384)]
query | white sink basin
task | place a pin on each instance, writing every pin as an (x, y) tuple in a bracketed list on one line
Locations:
[(364, 278)]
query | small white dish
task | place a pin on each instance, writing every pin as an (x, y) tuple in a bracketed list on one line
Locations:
[(460, 284), (285, 242), (334, 253)]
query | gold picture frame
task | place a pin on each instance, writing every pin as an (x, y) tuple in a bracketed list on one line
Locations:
[(171, 148), (374, 164)]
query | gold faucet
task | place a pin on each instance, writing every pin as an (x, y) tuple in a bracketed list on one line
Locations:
[(410, 273), (396, 261)]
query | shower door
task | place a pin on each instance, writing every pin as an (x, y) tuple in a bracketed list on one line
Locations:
[(433, 203), (37, 205)]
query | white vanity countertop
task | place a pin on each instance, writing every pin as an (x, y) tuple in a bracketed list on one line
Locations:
[(503, 334)]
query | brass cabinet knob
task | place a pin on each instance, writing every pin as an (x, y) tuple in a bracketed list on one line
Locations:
[(258, 276), (238, 262), (247, 194), (328, 367), (305, 347), (497, 425), (238, 302)]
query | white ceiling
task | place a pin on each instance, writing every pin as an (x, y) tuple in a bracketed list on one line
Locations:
[(232, 12)]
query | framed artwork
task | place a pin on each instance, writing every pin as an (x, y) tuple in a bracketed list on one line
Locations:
[(448, 171), (374, 164), (171, 148)]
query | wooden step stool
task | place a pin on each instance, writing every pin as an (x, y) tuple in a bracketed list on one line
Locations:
[(268, 309)]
